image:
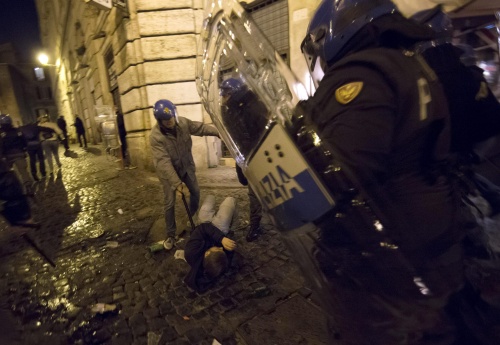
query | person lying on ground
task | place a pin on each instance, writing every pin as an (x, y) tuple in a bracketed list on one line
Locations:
[(209, 251)]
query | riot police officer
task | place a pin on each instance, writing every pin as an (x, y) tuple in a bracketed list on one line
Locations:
[(245, 116), (382, 111)]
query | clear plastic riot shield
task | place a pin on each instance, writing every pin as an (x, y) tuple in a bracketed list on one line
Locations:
[(106, 124), (250, 93)]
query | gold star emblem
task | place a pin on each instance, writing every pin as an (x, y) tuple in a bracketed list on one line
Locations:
[(348, 92), (166, 111)]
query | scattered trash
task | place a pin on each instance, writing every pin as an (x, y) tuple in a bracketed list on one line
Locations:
[(120, 211), (179, 254), (186, 318), (111, 244), (153, 338), (101, 308), (215, 342), (261, 291), (156, 247)]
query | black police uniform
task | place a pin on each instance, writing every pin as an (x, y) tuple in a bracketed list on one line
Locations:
[(15, 208), (384, 115), (245, 116)]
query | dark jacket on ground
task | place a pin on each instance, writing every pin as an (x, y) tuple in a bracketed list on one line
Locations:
[(204, 237)]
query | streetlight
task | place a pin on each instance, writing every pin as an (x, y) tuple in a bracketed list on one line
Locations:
[(44, 59)]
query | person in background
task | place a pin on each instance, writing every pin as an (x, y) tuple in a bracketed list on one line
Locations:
[(80, 132), (14, 151), (209, 250), (171, 146), (16, 209), (34, 147), (50, 141), (122, 133), (61, 123)]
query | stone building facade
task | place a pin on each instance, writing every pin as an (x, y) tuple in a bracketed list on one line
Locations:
[(130, 56)]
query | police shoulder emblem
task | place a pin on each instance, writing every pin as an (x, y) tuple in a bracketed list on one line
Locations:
[(346, 93)]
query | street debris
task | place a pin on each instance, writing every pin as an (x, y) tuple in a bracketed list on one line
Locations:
[(215, 342), (179, 254), (186, 318), (120, 211), (156, 247), (111, 244), (153, 338), (102, 308)]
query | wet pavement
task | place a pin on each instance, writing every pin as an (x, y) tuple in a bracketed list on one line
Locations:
[(97, 225)]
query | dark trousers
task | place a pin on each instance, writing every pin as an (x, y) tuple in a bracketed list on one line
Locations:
[(255, 209), (125, 156), (36, 154), (16, 207), (80, 135), (65, 141)]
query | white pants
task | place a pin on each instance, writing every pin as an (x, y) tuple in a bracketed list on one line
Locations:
[(226, 215)]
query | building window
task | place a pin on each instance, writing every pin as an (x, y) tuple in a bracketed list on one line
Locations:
[(41, 112), (39, 74), (271, 17), (43, 93)]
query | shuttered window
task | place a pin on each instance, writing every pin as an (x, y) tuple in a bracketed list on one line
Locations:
[(272, 18)]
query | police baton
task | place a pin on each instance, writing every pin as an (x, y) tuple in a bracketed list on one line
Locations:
[(38, 249), (187, 210)]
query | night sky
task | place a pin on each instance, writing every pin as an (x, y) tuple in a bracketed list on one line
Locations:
[(19, 25)]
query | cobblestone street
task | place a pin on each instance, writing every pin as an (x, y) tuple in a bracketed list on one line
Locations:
[(97, 226)]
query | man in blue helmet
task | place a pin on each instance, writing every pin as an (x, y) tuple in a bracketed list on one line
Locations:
[(171, 148), (382, 113)]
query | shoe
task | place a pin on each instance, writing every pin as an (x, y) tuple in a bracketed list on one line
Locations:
[(253, 234), (168, 243)]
